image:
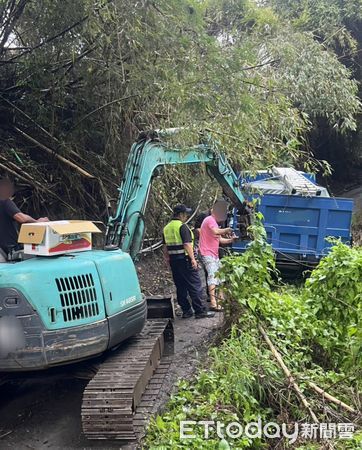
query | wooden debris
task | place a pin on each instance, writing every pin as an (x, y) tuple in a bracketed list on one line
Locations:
[(56, 155), (288, 375), (330, 398), (36, 184), (5, 434)]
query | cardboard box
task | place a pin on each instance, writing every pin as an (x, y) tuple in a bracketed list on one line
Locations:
[(57, 237)]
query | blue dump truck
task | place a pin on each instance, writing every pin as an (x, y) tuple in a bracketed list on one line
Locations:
[(299, 216)]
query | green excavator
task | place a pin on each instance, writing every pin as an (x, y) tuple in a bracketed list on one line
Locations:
[(63, 309)]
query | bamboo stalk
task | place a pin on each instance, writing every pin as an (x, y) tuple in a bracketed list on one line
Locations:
[(13, 172), (288, 374), (15, 167), (330, 397), (35, 184), (56, 155)]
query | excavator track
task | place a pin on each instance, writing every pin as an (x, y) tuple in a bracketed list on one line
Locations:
[(117, 402)]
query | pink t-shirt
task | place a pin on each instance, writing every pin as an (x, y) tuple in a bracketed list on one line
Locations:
[(209, 242)]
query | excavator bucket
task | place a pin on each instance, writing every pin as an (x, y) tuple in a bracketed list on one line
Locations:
[(160, 307)]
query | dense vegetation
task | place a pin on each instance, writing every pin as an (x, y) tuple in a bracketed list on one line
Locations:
[(272, 81), (79, 80), (316, 330)]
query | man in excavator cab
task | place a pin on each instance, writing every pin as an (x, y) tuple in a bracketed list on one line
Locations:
[(10, 217), (178, 242)]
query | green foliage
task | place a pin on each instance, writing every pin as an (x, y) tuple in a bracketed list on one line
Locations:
[(210, 397), (84, 77), (255, 267), (242, 380), (334, 21), (333, 294), (335, 26), (313, 78)]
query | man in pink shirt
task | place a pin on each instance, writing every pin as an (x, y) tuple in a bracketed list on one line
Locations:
[(211, 236)]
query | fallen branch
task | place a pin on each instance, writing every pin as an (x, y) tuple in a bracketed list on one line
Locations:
[(159, 244), (6, 434), (23, 113), (15, 167), (330, 398), (56, 155), (53, 138), (36, 184), (16, 173), (21, 177), (288, 374)]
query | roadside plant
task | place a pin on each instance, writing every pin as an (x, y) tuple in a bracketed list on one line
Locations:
[(316, 330)]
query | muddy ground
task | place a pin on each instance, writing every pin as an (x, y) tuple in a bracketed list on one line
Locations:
[(43, 412)]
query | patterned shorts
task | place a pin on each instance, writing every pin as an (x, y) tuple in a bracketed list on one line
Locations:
[(212, 265)]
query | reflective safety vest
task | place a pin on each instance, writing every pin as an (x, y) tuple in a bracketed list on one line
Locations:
[(173, 239)]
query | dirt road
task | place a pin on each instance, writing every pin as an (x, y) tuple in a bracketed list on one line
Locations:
[(44, 412)]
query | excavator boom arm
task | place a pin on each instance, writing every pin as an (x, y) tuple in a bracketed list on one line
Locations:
[(126, 228)]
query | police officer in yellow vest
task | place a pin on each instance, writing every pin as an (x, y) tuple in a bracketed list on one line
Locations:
[(178, 242)]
